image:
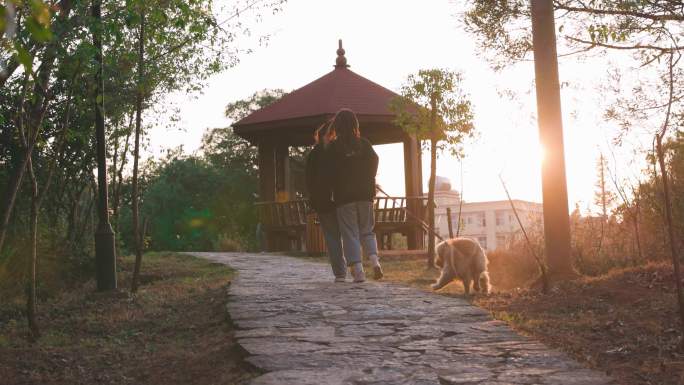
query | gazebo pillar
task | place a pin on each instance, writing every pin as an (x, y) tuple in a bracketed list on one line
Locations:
[(274, 181), (267, 171), (282, 172), (413, 178)]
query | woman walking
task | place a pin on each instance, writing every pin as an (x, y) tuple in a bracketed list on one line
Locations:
[(354, 164), (320, 198)]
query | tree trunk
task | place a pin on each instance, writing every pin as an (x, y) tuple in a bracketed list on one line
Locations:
[(450, 225), (36, 202), (670, 228), (431, 184), (637, 236), (136, 153), (87, 214), (667, 207), (71, 223), (115, 162), (119, 180), (604, 204), (554, 184), (460, 200), (604, 207), (105, 251), (12, 65), (34, 330), (10, 198), (18, 175)]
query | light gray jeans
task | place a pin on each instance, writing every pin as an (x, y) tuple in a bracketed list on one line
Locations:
[(333, 243), (356, 226)]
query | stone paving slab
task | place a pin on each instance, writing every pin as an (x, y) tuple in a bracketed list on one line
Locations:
[(301, 328)]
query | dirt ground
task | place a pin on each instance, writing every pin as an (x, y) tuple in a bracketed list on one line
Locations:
[(173, 331), (624, 323)]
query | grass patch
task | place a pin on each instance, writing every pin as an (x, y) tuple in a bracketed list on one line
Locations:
[(173, 331), (413, 272)]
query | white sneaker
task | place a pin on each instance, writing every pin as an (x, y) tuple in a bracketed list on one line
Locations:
[(358, 273), (340, 279), (377, 270), (374, 260)]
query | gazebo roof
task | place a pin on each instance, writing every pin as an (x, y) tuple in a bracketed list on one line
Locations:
[(294, 117)]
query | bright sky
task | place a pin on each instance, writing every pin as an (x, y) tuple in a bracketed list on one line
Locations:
[(386, 40)]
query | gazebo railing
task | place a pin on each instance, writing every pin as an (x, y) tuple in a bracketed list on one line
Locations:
[(395, 209), (292, 224), (283, 214), (388, 210)]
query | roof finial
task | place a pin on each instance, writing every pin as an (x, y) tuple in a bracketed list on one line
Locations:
[(341, 61)]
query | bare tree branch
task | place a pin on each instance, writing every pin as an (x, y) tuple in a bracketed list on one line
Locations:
[(623, 47), (619, 12)]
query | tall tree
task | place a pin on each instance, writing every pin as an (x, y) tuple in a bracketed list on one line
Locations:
[(603, 197), (434, 106), (665, 180), (550, 122), (137, 236), (105, 251)]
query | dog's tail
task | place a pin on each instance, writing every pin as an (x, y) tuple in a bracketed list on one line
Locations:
[(484, 282)]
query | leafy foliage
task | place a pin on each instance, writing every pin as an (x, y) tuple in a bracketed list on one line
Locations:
[(46, 86), (648, 28), (438, 91), (260, 99), (221, 147), (190, 202), (205, 201)]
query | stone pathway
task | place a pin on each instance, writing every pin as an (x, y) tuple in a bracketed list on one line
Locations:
[(301, 328)]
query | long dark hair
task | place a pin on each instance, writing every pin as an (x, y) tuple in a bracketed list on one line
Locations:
[(346, 128)]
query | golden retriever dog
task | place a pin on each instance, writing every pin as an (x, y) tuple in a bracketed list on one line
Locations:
[(464, 259)]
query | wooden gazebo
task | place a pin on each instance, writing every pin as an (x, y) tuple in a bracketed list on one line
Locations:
[(291, 121)]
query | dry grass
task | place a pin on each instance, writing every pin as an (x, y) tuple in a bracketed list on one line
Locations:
[(624, 322), (507, 271), (411, 271), (173, 331)]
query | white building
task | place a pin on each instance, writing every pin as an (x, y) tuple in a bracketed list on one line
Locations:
[(492, 223)]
